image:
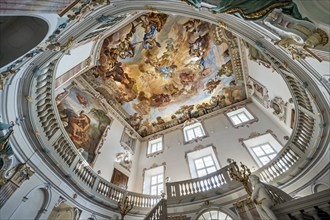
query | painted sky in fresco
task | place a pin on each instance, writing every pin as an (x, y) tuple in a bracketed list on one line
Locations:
[(159, 64)]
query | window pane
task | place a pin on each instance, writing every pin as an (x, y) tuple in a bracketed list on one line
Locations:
[(214, 215), (271, 156), (235, 120), (159, 146), (268, 149), (264, 160), (155, 147), (243, 117), (240, 116), (190, 134), (258, 151), (153, 180), (160, 178), (208, 161), (199, 163), (210, 170), (153, 190), (201, 172), (198, 132)]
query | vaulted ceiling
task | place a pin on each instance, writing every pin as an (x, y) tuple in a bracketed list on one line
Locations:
[(164, 69)]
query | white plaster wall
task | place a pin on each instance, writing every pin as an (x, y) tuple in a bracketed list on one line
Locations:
[(131, 186), (323, 68), (76, 56), (111, 146), (105, 161), (276, 87), (221, 134)]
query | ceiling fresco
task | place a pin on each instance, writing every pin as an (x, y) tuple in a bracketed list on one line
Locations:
[(163, 69)]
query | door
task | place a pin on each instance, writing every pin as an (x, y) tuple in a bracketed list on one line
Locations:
[(119, 179)]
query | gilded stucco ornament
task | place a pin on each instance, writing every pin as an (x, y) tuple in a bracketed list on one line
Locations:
[(76, 11), (279, 107), (246, 10), (297, 36), (240, 173), (6, 74), (56, 46), (124, 159), (23, 173)]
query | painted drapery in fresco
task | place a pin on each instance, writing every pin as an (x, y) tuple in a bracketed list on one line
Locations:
[(252, 9)]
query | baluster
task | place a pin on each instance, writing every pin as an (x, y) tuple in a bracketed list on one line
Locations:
[(290, 157), (198, 186), (189, 188), (277, 168), (185, 188), (287, 161), (181, 190)]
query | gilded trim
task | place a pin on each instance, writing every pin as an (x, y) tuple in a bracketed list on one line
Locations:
[(258, 14)]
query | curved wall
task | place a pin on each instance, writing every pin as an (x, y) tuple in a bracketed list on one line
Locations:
[(61, 185), (20, 34)]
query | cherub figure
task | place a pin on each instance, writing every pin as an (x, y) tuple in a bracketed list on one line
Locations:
[(262, 199)]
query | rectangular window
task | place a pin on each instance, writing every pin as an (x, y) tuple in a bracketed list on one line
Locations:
[(156, 186), (155, 146), (193, 131), (240, 116), (202, 162), (263, 148), (264, 152), (204, 165), (154, 181)]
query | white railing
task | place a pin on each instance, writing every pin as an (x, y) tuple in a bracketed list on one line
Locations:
[(213, 184), (45, 115), (313, 206), (159, 212), (61, 149), (45, 120)]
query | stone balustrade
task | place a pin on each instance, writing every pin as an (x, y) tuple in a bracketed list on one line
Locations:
[(54, 141), (214, 184), (159, 212), (315, 206), (63, 151)]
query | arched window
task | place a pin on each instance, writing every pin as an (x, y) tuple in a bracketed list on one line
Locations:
[(214, 215)]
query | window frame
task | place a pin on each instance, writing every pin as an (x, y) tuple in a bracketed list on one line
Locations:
[(243, 109), (228, 213), (153, 141), (265, 153), (192, 126), (157, 183), (199, 152), (147, 177), (261, 139), (205, 167)]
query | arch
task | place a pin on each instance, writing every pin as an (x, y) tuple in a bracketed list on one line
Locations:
[(39, 197), (318, 187), (215, 213), (20, 34)]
